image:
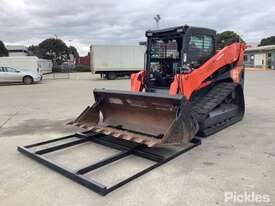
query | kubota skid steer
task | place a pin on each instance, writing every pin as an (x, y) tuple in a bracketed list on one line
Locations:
[(188, 89)]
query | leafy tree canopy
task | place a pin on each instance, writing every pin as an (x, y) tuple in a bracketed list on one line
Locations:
[(34, 50), (227, 37), (267, 41), (54, 49), (3, 50), (73, 51)]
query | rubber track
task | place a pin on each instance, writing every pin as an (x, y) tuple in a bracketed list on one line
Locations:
[(212, 99)]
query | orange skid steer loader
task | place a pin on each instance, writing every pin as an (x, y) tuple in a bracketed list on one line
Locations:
[(188, 88)]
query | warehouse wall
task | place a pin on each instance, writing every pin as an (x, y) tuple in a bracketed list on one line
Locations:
[(263, 59)]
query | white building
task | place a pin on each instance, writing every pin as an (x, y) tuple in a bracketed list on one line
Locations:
[(17, 50), (260, 57)]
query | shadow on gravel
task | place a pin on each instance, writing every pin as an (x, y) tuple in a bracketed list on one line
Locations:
[(18, 84), (39, 126), (11, 84)]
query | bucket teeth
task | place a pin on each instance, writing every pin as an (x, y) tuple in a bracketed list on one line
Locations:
[(91, 128), (150, 143), (120, 134), (127, 137), (117, 135), (139, 140), (98, 130), (106, 132), (84, 126)]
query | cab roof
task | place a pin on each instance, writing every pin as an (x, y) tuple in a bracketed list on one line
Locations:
[(178, 30)]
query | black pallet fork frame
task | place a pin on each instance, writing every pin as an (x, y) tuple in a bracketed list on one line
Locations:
[(125, 147)]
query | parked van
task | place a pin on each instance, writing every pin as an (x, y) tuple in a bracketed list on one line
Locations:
[(27, 63)]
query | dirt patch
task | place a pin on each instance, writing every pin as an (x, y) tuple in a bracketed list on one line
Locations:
[(208, 163)]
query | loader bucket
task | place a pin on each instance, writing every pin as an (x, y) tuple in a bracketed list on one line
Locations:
[(148, 118)]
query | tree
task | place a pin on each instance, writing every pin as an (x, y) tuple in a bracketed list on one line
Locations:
[(227, 37), (267, 41), (73, 51), (54, 49), (34, 50), (3, 50)]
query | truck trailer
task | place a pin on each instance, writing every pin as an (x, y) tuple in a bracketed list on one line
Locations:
[(111, 61)]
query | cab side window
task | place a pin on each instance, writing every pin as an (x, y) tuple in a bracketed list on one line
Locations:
[(201, 48), (1, 69)]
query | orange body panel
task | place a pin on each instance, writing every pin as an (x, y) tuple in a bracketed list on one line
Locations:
[(236, 71), (186, 84), (136, 81)]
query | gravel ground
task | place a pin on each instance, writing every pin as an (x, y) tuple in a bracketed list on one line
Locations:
[(238, 159)]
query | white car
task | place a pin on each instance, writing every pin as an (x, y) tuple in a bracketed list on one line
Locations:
[(8, 74)]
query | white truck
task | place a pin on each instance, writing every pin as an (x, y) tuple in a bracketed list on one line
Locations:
[(27, 63), (112, 61)]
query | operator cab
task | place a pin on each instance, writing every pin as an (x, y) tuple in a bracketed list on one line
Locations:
[(176, 50)]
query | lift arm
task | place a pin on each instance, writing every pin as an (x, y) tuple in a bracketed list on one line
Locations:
[(188, 83)]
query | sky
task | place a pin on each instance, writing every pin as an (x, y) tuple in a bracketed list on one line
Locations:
[(84, 22)]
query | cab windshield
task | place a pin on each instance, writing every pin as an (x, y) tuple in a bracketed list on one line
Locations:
[(164, 58)]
